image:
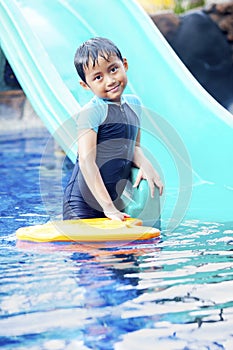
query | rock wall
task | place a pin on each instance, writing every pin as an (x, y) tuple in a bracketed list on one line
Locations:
[(203, 39)]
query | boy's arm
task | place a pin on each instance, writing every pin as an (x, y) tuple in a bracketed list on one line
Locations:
[(146, 169), (87, 140)]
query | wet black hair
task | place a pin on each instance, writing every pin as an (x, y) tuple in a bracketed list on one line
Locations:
[(92, 49)]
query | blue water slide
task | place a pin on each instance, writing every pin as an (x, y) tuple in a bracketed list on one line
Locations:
[(185, 132)]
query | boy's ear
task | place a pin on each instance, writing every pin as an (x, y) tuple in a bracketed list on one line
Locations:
[(84, 85), (125, 64)]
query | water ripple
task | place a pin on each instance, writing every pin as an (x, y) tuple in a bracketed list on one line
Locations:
[(172, 293)]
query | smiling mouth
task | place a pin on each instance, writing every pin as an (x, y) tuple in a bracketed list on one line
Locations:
[(113, 89)]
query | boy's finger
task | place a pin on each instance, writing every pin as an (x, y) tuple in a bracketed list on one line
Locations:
[(137, 181), (152, 188), (160, 187)]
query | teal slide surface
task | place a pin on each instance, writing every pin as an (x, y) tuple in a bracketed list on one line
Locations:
[(186, 133)]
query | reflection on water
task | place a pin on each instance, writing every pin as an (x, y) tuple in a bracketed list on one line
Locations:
[(173, 293)]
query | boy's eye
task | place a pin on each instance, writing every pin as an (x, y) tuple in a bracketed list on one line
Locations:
[(98, 77), (114, 69)]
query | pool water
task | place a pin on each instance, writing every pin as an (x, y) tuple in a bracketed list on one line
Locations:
[(173, 293)]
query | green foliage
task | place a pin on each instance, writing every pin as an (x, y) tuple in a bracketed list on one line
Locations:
[(182, 6)]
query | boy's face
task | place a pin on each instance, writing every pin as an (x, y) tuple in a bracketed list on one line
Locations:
[(107, 79)]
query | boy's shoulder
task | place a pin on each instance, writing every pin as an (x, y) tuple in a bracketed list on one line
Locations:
[(134, 102), (94, 106), (132, 99), (92, 114), (94, 102)]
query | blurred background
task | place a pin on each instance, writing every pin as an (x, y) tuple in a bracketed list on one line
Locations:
[(199, 31)]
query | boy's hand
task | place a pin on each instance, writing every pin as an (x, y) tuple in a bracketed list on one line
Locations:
[(152, 178), (116, 215)]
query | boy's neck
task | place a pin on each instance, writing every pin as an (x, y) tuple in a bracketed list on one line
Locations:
[(118, 103)]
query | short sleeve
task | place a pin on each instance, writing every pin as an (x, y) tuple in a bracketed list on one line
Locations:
[(91, 116)]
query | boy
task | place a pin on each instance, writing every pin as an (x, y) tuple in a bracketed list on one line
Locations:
[(108, 137)]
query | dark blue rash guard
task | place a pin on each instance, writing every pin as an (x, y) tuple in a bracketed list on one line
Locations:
[(117, 127)]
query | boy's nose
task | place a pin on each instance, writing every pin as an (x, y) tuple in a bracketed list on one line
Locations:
[(110, 80)]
